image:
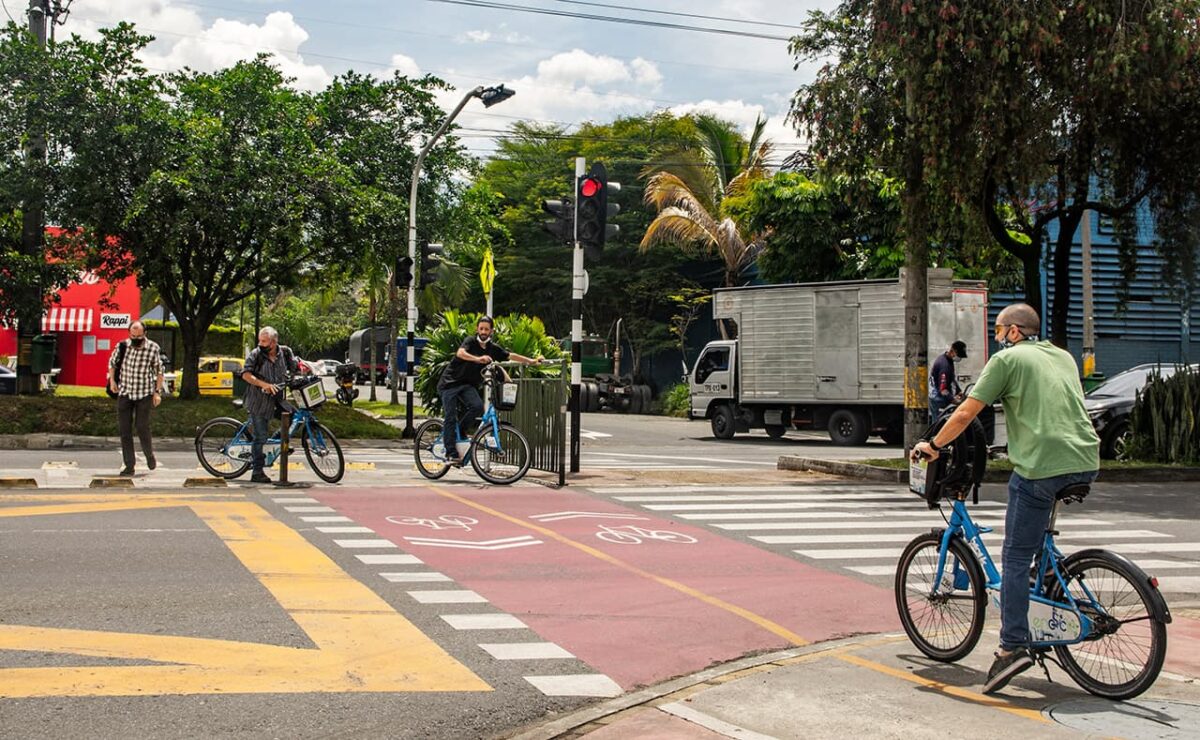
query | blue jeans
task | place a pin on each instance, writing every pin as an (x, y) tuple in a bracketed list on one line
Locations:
[(456, 399), (936, 405), (1029, 505), (260, 427)]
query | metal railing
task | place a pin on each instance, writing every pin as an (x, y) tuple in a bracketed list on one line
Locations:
[(541, 415)]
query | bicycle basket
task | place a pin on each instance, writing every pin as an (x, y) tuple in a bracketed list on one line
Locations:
[(504, 395), (959, 468), (309, 395)]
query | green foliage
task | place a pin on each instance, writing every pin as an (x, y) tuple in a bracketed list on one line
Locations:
[(676, 401), (517, 333), (1164, 419), (312, 322)]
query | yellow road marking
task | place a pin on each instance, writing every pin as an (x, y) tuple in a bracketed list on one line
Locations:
[(362, 643), (748, 615), (360, 465)]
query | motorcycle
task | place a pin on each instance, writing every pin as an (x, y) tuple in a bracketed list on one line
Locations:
[(345, 375)]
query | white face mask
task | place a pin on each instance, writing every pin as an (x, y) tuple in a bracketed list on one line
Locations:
[(482, 339)]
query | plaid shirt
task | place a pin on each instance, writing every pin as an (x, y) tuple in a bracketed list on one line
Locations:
[(139, 369)]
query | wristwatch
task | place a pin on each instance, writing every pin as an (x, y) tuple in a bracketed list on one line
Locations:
[(934, 447)]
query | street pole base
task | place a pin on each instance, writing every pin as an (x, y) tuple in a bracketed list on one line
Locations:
[(408, 433), (291, 484)]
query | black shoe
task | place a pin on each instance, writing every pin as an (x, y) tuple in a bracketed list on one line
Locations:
[(1007, 667), (126, 473), (260, 478), (151, 462)]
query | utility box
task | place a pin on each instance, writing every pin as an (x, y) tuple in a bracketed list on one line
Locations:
[(42, 357)]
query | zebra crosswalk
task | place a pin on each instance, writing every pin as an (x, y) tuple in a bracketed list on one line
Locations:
[(862, 530)]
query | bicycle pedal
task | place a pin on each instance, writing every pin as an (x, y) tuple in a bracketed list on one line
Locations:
[(985, 530)]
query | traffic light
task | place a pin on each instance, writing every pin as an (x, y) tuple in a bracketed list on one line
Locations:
[(430, 260), (402, 274), (562, 226), (593, 210)]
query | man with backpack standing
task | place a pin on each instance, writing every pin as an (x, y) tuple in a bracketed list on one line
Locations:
[(135, 379), (266, 366)]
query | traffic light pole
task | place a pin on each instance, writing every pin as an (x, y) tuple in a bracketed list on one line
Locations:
[(577, 290)]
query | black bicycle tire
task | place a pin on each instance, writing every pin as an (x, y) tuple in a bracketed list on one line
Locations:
[(443, 468), (975, 582), (485, 431), (337, 447), (224, 421), (1072, 565)]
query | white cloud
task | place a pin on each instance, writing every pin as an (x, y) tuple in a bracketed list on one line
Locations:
[(646, 73), (477, 37), (580, 67), (405, 65)]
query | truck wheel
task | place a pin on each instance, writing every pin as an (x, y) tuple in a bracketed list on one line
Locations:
[(647, 398), (723, 425), (594, 397), (634, 398), (776, 431), (848, 428)]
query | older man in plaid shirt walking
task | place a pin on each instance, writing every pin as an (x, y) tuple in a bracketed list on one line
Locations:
[(138, 383)]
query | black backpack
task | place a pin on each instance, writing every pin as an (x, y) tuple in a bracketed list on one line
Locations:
[(116, 373)]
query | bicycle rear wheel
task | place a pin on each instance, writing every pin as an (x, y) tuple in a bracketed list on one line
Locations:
[(1125, 652), (323, 452), (213, 442), (429, 451), (500, 458), (946, 625)]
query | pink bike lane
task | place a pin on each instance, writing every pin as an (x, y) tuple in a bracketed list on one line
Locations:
[(638, 597)]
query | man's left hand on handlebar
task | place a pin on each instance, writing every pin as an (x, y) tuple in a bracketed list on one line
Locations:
[(923, 449)]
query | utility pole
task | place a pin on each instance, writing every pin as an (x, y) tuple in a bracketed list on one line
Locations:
[(32, 227), (578, 288), (1089, 310)]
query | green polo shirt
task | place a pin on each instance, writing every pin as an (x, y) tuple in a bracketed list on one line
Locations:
[(1049, 432)]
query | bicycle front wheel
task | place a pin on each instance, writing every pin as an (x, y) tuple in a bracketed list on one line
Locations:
[(501, 458), (219, 452), (323, 452), (429, 451), (1124, 653), (944, 620)]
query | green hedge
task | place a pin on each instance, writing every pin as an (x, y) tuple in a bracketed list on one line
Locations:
[(1163, 421)]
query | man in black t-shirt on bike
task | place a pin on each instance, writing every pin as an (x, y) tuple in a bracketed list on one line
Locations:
[(459, 386)]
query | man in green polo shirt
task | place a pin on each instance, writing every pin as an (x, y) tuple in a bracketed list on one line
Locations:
[(1051, 444)]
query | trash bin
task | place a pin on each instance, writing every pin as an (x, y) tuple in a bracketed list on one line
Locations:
[(1093, 381), (42, 357)]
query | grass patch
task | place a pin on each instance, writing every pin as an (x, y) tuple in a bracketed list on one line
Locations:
[(97, 417), (386, 410), (79, 391), (901, 463)]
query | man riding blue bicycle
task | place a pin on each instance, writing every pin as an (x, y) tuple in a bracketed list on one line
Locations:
[(1051, 443), (462, 378), (267, 366)]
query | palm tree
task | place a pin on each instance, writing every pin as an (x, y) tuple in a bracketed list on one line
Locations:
[(689, 188)]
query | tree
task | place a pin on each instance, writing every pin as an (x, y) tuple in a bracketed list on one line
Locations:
[(689, 186), (214, 185)]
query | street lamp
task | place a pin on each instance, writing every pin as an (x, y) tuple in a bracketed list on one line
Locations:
[(489, 96)]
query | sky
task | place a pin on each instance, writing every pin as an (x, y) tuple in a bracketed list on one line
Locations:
[(565, 70)]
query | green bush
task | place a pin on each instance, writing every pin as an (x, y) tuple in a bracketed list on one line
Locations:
[(518, 333), (675, 401), (1163, 422)]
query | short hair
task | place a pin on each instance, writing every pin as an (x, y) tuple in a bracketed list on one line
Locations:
[(488, 319), (139, 324), (1022, 316), (270, 332)]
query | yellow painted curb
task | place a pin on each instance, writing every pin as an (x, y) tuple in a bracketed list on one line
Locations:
[(111, 483), (18, 483)]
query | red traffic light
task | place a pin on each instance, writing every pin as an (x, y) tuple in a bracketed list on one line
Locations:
[(589, 187)]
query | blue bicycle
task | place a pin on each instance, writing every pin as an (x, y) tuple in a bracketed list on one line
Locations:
[(497, 450), (1100, 614), (223, 444)]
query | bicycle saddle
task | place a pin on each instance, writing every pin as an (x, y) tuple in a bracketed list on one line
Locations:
[(1074, 492)]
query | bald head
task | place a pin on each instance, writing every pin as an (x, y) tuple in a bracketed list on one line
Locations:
[(1022, 316)]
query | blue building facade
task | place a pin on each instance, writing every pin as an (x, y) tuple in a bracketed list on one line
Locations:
[(1153, 327)]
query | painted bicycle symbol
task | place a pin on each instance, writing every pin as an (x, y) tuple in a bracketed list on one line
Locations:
[(445, 521), (631, 535)]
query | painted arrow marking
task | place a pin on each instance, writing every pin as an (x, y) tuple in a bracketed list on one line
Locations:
[(586, 434), (558, 516), (501, 544)]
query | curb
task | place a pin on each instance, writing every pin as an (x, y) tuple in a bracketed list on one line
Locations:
[(892, 475), (42, 441), (560, 726)]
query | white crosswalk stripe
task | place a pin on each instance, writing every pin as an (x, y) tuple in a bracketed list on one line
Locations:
[(863, 529)]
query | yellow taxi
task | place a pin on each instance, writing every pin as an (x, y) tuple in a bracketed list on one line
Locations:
[(215, 375)]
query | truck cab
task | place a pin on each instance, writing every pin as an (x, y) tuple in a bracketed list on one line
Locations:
[(711, 380)]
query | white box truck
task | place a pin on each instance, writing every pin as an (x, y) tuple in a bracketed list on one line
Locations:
[(828, 355)]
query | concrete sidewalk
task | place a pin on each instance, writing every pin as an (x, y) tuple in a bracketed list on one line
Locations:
[(880, 686)]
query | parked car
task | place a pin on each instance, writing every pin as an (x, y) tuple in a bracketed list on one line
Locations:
[(216, 375), (328, 366), (1110, 403), (8, 380)]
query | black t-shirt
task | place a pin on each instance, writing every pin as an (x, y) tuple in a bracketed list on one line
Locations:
[(461, 372)]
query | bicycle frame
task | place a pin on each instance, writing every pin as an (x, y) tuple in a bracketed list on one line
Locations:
[(302, 420), (1048, 562)]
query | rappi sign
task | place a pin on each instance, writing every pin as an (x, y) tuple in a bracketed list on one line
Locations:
[(115, 321)]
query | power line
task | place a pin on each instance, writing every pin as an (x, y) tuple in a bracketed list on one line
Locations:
[(612, 19), (681, 15)]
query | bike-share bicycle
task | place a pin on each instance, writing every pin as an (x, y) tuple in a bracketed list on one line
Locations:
[(223, 444), (1100, 614), (497, 450)]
